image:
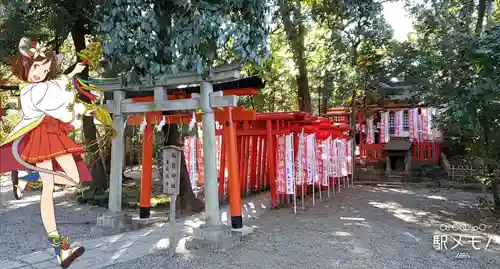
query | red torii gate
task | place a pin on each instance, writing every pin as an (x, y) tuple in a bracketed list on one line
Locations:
[(269, 125), (224, 116)]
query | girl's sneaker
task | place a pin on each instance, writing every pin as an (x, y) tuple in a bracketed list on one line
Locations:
[(20, 180), (64, 253)]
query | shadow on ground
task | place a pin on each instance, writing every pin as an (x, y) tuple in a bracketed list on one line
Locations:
[(366, 227), (21, 228)]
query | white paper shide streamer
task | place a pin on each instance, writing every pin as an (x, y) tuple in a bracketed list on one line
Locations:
[(161, 124), (143, 124)]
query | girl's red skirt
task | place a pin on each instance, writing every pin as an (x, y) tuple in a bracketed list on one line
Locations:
[(45, 142)]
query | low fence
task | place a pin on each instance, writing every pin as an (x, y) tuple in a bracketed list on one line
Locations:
[(421, 152), (462, 172)]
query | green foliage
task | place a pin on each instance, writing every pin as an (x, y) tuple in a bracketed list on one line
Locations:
[(149, 39), (47, 20), (454, 57)]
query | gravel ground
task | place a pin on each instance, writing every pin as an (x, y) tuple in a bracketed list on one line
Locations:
[(21, 228), (366, 227)]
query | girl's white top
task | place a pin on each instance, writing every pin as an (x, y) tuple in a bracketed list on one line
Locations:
[(45, 98)]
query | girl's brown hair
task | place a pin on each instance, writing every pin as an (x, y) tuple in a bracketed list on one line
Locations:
[(20, 65)]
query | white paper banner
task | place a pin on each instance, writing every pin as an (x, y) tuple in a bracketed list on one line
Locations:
[(349, 156), (289, 164), (299, 162), (370, 131), (193, 168), (342, 157), (311, 158), (325, 158), (401, 123), (335, 163)]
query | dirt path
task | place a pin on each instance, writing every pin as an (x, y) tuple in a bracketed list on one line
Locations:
[(363, 227), (21, 229)]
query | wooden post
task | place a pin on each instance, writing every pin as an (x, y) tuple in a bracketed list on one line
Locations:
[(117, 151), (146, 169), (388, 169), (234, 188)]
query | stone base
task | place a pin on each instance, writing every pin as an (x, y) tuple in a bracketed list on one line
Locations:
[(245, 230), (219, 238), (115, 222)]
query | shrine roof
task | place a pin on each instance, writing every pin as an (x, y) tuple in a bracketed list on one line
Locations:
[(398, 144), (248, 82)]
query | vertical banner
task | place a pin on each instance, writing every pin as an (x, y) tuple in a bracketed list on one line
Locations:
[(319, 163), (248, 176), (411, 129), (325, 158), (290, 186), (262, 164), (349, 156), (335, 159), (187, 156), (382, 127), (329, 143), (280, 165), (310, 158), (300, 162), (425, 124), (416, 125), (430, 113), (371, 131), (193, 167), (401, 117), (199, 157), (396, 123), (218, 145), (343, 157)]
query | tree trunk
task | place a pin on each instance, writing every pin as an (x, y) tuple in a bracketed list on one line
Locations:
[(187, 201), (490, 7), (295, 35), (481, 10), (98, 172), (494, 190), (354, 62)]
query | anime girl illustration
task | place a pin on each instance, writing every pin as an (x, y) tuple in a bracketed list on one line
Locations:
[(39, 145)]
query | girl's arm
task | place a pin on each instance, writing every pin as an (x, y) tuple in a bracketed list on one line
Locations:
[(66, 79)]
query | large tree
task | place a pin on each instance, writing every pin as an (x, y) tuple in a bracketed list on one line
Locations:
[(454, 56), (147, 40)]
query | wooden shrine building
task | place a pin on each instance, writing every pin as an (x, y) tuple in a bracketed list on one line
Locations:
[(392, 116)]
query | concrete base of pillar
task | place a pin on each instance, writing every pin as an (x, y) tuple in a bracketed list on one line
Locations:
[(245, 230), (115, 222), (220, 238)]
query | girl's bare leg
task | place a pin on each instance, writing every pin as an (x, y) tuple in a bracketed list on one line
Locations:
[(65, 254), (67, 162), (46, 199)]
